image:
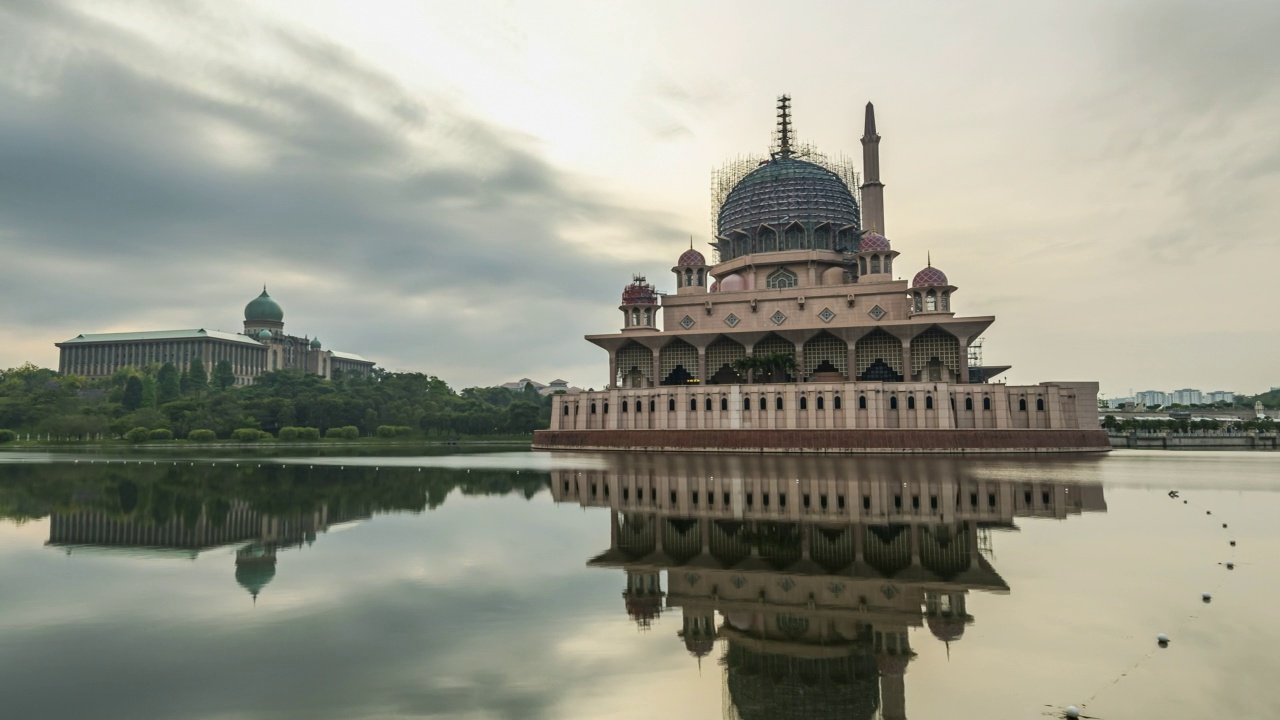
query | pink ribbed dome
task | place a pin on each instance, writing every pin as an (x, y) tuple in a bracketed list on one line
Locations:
[(873, 242), (691, 257), (946, 629), (930, 277)]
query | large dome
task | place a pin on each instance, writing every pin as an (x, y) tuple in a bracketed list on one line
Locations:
[(263, 308), (784, 190)]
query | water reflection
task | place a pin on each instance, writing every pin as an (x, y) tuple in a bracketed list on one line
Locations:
[(810, 571)]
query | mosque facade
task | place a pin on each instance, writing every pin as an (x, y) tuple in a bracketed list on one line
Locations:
[(262, 347), (801, 336)]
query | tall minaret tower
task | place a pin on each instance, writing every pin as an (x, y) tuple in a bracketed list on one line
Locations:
[(872, 188)]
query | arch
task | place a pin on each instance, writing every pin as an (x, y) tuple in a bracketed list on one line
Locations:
[(875, 264), (835, 402), (635, 317), (624, 406), (862, 266), (702, 277), (946, 301), (707, 404), (893, 402), (821, 404), (648, 316), (878, 357), (888, 265), (693, 404), (986, 403), (678, 363), (1039, 404), (862, 402), (928, 402), (722, 355), (593, 408), (793, 237), (746, 403), (764, 405), (935, 344), (635, 366), (968, 403), (822, 237), (778, 402), (766, 239), (846, 237), (724, 403), (918, 304), (804, 402), (781, 279), (652, 406), (911, 402), (688, 277), (1022, 404), (671, 404), (566, 409), (825, 353), (930, 301)]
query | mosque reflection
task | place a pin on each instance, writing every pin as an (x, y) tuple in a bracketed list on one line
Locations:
[(811, 572)]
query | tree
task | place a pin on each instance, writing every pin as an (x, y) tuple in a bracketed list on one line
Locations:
[(132, 399), (197, 378), (168, 386), (522, 417), (223, 376), (149, 391)]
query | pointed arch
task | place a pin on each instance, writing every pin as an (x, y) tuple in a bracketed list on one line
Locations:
[(936, 350), (878, 357), (766, 239), (677, 363), (822, 237), (793, 238), (635, 366), (825, 353), (722, 355), (781, 278)]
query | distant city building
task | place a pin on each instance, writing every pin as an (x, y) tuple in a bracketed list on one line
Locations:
[(554, 387), (1221, 396), (262, 347), (1185, 396), (1151, 397)]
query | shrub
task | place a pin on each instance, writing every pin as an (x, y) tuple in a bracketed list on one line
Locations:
[(246, 434), (137, 435), (265, 435), (334, 434), (202, 436), (160, 434), (8, 436), (351, 432), (308, 433), (288, 433), (387, 431)]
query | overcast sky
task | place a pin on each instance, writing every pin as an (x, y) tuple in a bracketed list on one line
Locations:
[(464, 188)]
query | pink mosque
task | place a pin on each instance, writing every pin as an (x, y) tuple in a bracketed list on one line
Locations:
[(800, 339)]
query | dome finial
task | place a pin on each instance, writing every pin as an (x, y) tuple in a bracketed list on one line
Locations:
[(929, 257), (784, 126), (690, 242)]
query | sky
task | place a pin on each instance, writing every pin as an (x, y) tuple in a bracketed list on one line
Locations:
[(463, 189)]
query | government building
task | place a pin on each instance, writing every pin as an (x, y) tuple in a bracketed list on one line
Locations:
[(262, 347), (800, 336)]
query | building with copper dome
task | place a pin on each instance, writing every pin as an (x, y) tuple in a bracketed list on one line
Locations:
[(801, 335), (263, 346)]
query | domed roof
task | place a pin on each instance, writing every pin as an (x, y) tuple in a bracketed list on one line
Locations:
[(786, 189), (699, 646), (691, 257), (315, 343), (946, 629), (733, 283), (263, 308), (874, 241), (264, 334), (639, 292), (930, 277), (253, 576)]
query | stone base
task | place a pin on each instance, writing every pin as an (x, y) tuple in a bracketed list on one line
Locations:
[(828, 441)]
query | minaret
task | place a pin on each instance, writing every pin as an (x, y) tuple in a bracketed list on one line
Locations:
[(872, 188)]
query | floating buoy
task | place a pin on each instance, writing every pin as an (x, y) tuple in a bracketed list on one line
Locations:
[(1224, 525), (1206, 512), (1162, 639), (1072, 712), (1233, 543), (1231, 566), (1206, 597)]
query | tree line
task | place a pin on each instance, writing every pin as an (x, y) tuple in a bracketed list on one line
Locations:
[(40, 401)]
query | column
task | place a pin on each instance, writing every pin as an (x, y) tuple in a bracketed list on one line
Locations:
[(964, 359), (702, 366), (657, 369), (906, 360)]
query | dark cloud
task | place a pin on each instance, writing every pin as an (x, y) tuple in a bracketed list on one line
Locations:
[(184, 192)]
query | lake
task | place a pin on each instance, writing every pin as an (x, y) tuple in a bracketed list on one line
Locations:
[(518, 584)]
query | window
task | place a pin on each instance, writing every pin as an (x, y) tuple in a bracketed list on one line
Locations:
[(707, 404), (1040, 404), (875, 264), (778, 402), (946, 302), (820, 403), (606, 408), (893, 403), (724, 403), (822, 501), (693, 404), (839, 502), (593, 408), (566, 409), (648, 318), (763, 403), (624, 406), (746, 403), (911, 402), (862, 266), (930, 301), (888, 264), (688, 277), (639, 406), (804, 403), (702, 277), (928, 402), (986, 403), (862, 402), (635, 316), (671, 404), (968, 403), (780, 279), (919, 302), (1022, 404), (651, 406)]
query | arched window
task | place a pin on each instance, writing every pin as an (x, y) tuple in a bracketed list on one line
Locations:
[(778, 402), (606, 408), (1040, 404), (693, 404), (624, 406), (566, 409), (928, 402), (821, 405), (707, 404), (688, 277), (862, 266), (946, 302), (919, 304), (804, 403), (862, 402), (763, 404), (671, 404), (593, 408), (888, 265), (968, 403), (1022, 404), (986, 403), (781, 278), (724, 403), (702, 277), (635, 316), (875, 264), (746, 403), (639, 406), (648, 317), (931, 301), (911, 402), (893, 403), (651, 406)]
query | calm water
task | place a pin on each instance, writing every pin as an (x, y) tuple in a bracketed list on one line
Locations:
[(527, 585)]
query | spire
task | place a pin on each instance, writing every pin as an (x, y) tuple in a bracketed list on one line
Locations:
[(784, 126), (929, 255), (869, 124)]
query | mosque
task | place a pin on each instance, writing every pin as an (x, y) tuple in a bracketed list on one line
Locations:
[(262, 347), (812, 588), (801, 337)]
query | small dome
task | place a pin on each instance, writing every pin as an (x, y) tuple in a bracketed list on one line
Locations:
[(946, 629), (263, 308), (315, 343), (264, 334), (873, 242), (892, 665), (639, 292), (930, 277), (691, 257), (699, 646), (733, 283)]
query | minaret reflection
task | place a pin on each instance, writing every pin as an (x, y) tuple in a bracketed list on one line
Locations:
[(812, 571)]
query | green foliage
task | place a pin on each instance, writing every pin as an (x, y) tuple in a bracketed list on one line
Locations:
[(202, 435), (223, 376), (149, 391), (196, 379), (309, 433), (8, 436), (247, 434), (132, 399), (288, 433), (767, 367), (137, 435), (394, 431), (347, 432), (168, 384), (160, 434)]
